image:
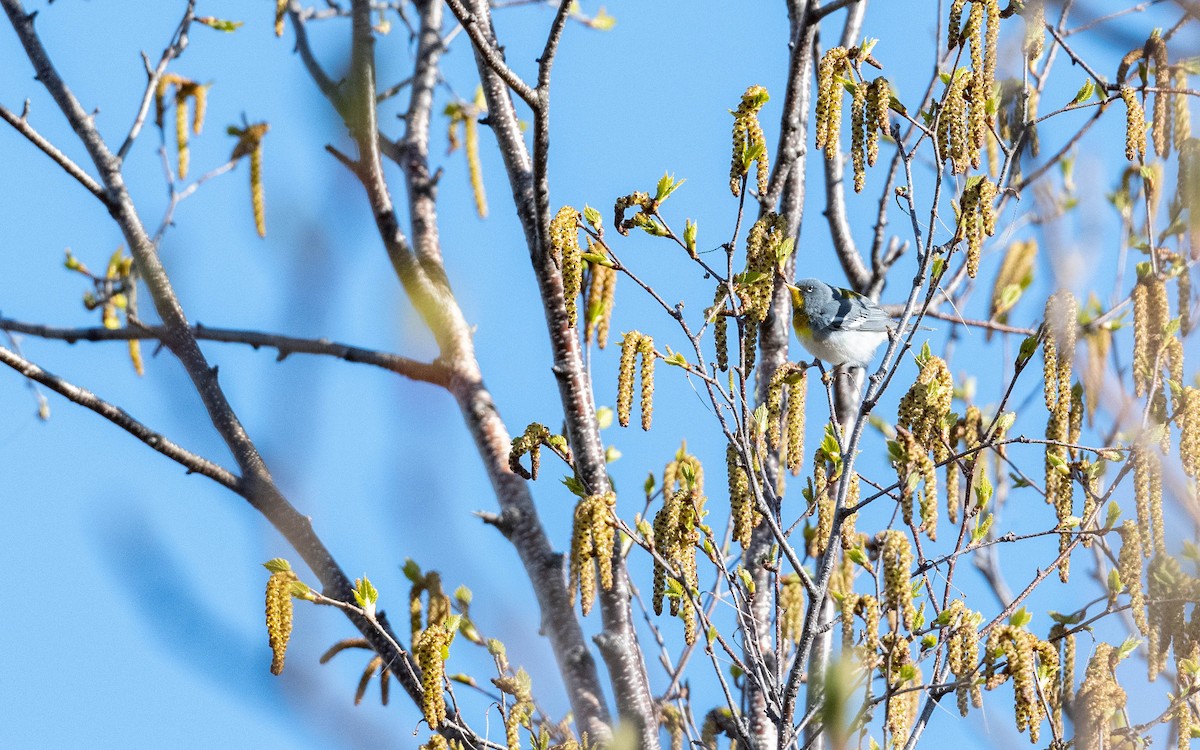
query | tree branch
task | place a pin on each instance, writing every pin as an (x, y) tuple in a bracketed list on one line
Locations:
[(424, 372), (256, 486), (492, 54), (22, 126), (193, 463), (618, 642)]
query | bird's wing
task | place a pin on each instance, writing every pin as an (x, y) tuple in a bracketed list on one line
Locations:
[(865, 316)]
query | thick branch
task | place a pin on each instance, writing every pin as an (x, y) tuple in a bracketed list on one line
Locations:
[(256, 486), (618, 641)]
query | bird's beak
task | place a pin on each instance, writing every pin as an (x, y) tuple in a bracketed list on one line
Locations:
[(797, 300)]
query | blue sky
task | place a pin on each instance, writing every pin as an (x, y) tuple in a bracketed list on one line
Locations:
[(135, 613)]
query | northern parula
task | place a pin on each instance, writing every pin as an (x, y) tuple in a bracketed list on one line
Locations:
[(837, 326)]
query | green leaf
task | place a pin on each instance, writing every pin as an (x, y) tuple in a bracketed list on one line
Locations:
[(1028, 348), (1020, 618), (1085, 92), (463, 596), (744, 577), (908, 672), (365, 593), (592, 216), (983, 487), (575, 486), (674, 589), (981, 529), (597, 259), (411, 570), (939, 265), (301, 590), (220, 24), (1128, 646), (1115, 584), (611, 454), (604, 417), (928, 642), (648, 485), (1113, 513), (277, 565), (675, 359), (858, 556), (667, 185), (689, 237), (711, 634)]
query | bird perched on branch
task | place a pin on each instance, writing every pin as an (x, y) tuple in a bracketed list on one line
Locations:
[(837, 326)]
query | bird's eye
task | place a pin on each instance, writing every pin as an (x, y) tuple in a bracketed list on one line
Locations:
[(809, 289)]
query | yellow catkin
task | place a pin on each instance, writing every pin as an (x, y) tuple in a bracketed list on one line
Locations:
[(279, 616), (249, 144), (1144, 337), (720, 327), (961, 637), (638, 200), (671, 719), (954, 29), (646, 351), (902, 706), (280, 13), (1189, 432), (879, 97), (1015, 274), (1023, 652), (1168, 590), (896, 554), (429, 652), (593, 539), (927, 402), (1135, 126), (636, 344), (748, 137), (1098, 699), (1161, 120), (200, 103), (257, 198), (564, 248), (745, 516), (601, 296), (1035, 29), (952, 123), (181, 132), (762, 245), (474, 166), (1147, 489), (675, 538), (1182, 125), (796, 394), (858, 136), (828, 121), (629, 347), (977, 218), (1129, 568), (791, 607)]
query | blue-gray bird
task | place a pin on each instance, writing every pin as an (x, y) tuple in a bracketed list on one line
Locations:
[(837, 326)]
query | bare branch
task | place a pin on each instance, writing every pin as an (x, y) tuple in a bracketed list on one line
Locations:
[(178, 44), (482, 42), (22, 126), (193, 463), (424, 372)]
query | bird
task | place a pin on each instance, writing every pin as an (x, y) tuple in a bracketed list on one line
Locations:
[(837, 326)]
